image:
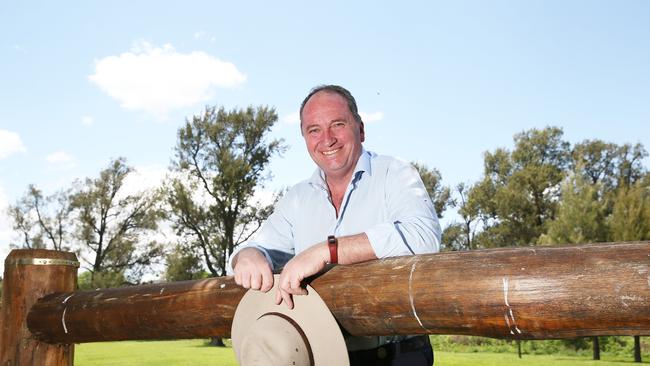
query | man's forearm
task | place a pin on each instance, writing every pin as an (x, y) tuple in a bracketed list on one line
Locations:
[(355, 249)]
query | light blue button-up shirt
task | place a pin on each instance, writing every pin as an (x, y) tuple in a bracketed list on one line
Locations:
[(386, 199)]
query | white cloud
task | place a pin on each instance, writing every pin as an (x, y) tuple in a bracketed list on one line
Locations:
[(371, 117), (292, 119), (204, 35), (160, 79), (87, 120), (61, 160), (143, 178), (10, 143), (58, 157)]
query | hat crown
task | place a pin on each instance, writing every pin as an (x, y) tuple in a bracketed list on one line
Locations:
[(275, 340)]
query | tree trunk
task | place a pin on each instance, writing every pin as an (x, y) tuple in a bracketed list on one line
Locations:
[(519, 347), (596, 348), (637, 348), (216, 342)]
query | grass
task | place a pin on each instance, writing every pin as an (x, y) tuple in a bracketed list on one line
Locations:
[(195, 353), (507, 359), (191, 352)]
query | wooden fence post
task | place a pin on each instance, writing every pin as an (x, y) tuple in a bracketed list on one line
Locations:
[(29, 275)]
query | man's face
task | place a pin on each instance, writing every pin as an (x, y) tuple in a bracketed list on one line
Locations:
[(332, 135)]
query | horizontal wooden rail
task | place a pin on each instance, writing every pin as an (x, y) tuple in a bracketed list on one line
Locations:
[(521, 293)]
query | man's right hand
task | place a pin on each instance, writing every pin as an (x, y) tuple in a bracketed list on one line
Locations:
[(252, 270)]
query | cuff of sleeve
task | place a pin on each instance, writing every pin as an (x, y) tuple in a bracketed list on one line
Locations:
[(230, 270), (384, 242)]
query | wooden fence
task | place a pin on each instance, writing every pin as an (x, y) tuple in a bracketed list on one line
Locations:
[(516, 293)]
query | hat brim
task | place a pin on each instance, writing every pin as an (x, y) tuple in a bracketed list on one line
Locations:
[(310, 313)]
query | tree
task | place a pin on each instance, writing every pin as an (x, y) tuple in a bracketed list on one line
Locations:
[(630, 219), (112, 227), (460, 235), (453, 238), (220, 161), (43, 222), (580, 217), (596, 161), (440, 195), (630, 167), (182, 265), (519, 190)]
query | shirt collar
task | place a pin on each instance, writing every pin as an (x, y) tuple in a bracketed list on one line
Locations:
[(363, 165)]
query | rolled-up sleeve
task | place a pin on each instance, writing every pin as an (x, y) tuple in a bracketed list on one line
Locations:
[(413, 226), (274, 239)]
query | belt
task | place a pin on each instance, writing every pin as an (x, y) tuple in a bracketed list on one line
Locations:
[(391, 350)]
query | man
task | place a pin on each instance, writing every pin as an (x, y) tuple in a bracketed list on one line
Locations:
[(356, 207)]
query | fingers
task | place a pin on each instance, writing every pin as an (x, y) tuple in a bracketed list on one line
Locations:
[(256, 281), (267, 280), (281, 296), (253, 271)]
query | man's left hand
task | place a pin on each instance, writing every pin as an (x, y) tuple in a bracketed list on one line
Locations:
[(303, 265)]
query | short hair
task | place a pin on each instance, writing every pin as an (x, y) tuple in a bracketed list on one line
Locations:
[(336, 89)]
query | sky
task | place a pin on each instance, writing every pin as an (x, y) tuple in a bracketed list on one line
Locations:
[(439, 83)]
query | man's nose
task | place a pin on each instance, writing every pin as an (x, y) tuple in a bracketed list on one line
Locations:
[(328, 138)]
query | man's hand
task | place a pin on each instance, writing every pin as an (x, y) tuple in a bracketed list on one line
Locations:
[(305, 264), (252, 270)]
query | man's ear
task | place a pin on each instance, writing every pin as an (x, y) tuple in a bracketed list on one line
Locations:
[(362, 132)]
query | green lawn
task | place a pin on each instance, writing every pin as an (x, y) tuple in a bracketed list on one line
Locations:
[(191, 352), (195, 353)]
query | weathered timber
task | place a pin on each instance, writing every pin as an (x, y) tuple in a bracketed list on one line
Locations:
[(174, 310), (519, 293), (28, 276)]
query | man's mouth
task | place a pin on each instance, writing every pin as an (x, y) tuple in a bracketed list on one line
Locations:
[(331, 152)]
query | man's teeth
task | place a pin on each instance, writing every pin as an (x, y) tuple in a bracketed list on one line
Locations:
[(330, 152)]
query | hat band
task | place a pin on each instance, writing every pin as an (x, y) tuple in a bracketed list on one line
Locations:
[(302, 334)]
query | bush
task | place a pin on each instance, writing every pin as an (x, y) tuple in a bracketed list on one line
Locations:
[(615, 346)]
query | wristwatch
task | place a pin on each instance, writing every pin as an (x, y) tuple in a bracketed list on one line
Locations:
[(333, 245)]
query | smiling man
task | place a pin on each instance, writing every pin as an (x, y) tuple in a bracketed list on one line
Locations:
[(357, 206)]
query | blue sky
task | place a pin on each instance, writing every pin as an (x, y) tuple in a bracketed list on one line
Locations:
[(438, 82)]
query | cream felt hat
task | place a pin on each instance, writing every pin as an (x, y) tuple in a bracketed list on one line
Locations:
[(267, 334)]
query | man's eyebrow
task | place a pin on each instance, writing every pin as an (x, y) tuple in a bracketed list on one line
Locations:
[(338, 120), (307, 126)]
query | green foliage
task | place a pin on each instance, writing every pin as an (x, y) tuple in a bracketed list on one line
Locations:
[(460, 236), (220, 160), (519, 191), (615, 346), (439, 194), (43, 221), (454, 238), (581, 215), (88, 280), (183, 264), (545, 192), (630, 219), (112, 227), (596, 162)]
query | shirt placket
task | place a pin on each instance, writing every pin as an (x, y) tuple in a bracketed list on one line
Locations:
[(346, 199)]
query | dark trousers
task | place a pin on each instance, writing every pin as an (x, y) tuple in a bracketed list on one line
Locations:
[(414, 351)]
